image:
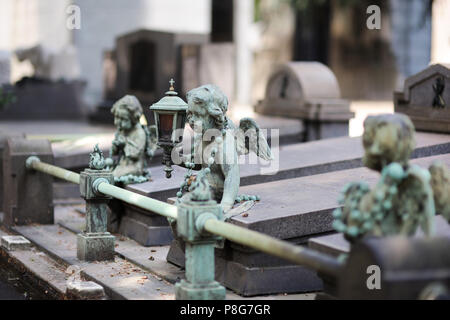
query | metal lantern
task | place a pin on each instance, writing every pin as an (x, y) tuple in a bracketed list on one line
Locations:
[(170, 115)]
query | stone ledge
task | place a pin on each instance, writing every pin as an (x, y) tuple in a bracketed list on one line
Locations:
[(12, 243)]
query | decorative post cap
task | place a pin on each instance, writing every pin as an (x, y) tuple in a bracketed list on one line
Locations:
[(200, 189), (96, 159)]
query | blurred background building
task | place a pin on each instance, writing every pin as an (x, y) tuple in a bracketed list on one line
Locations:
[(243, 40)]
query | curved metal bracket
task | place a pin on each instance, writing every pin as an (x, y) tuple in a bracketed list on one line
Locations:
[(30, 160), (95, 185), (201, 220)]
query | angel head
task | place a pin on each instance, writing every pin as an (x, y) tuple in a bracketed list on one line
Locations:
[(387, 138), (127, 112), (207, 106)]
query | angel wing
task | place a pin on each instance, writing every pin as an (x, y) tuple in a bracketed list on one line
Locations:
[(440, 183), (421, 196), (249, 138)]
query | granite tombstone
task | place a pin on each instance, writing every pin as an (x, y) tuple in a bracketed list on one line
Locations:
[(426, 99), (308, 91)]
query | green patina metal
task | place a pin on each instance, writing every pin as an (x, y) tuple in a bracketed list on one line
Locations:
[(170, 117), (95, 243), (217, 156), (402, 200), (194, 210), (134, 144), (199, 224)]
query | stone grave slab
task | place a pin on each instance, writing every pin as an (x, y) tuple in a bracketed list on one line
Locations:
[(133, 275), (12, 243), (120, 279), (84, 290), (295, 160), (294, 210), (42, 273), (51, 96)]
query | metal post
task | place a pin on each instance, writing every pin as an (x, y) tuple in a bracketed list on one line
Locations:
[(95, 243), (199, 283)]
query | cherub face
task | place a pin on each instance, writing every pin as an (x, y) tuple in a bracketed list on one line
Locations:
[(122, 120), (378, 143), (197, 115), (383, 145)]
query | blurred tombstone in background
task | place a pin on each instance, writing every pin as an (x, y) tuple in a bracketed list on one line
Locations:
[(141, 64), (54, 91), (217, 66), (5, 67), (426, 99), (308, 91)]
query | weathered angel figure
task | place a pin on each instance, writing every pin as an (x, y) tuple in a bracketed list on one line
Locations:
[(133, 143), (402, 200), (218, 143)]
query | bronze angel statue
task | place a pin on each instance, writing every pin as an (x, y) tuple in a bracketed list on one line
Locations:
[(218, 143), (134, 144)]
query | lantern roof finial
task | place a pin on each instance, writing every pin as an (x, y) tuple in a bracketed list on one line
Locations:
[(171, 91), (171, 102)]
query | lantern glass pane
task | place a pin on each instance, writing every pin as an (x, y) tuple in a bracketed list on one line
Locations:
[(165, 126), (181, 120)]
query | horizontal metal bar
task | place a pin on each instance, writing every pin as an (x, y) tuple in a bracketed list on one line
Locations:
[(279, 248), (138, 200), (36, 164), (156, 206)]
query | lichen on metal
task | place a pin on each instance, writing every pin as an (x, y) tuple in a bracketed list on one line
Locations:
[(402, 200), (134, 144)]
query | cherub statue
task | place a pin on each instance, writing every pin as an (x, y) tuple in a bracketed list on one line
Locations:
[(217, 144), (402, 200), (133, 143)]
